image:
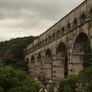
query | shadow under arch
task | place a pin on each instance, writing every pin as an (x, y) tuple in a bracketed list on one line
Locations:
[(48, 54), (39, 64), (32, 66), (27, 61), (38, 57), (48, 64), (61, 61), (78, 53), (32, 59)]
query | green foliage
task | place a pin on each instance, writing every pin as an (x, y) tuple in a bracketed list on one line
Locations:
[(85, 78), (43, 80), (52, 87), (16, 81), (46, 85), (11, 52), (68, 84), (89, 87), (1, 89), (80, 83), (87, 55)]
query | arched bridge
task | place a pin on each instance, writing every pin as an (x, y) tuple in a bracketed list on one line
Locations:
[(47, 53)]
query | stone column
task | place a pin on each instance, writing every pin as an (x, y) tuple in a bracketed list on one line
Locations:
[(35, 66), (29, 65), (43, 56), (53, 66), (69, 55)]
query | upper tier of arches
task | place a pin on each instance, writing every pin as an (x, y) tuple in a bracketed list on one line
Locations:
[(70, 22)]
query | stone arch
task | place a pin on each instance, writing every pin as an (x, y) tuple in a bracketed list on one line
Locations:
[(49, 38), (48, 50), (58, 33), (90, 12), (68, 26), (83, 17), (32, 59), (27, 61), (32, 66), (48, 54), (39, 57), (63, 30), (78, 53), (48, 64), (53, 35), (75, 22), (46, 40), (39, 63), (59, 68)]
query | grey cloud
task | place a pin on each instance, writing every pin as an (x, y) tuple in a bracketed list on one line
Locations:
[(47, 9), (33, 16)]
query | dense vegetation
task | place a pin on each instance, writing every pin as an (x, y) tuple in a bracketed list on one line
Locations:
[(80, 83), (87, 55), (14, 78), (16, 81), (11, 52)]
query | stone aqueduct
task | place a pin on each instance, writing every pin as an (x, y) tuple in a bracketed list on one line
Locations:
[(47, 53)]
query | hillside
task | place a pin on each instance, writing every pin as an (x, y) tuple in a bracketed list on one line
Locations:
[(11, 52)]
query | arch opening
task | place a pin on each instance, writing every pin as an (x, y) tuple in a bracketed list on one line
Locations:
[(48, 64), (32, 65), (75, 21), (39, 56), (32, 59), (61, 61), (27, 61), (78, 53), (49, 37), (68, 25), (62, 28), (39, 64), (48, 54), (91, 10), (46, 41), (53, 35), (58, 32), (83, 18)]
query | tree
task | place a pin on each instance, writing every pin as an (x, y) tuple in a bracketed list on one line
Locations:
[(11, 52), (85, 79), (16, 81), (68, 84), (87, 55)]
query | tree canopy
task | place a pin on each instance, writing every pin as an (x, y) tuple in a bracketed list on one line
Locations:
[(16, 81), (11, 52)]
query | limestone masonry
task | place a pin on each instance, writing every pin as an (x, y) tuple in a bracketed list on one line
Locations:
[(47, 53)]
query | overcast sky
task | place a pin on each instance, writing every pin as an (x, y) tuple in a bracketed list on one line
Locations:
[(20, 18)]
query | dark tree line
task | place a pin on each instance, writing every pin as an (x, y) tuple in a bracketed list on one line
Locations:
[(11, 52)]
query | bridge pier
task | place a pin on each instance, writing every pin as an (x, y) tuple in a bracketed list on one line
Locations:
[(69, 35)]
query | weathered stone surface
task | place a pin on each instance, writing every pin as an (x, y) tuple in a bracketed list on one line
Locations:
[(47, 53)]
